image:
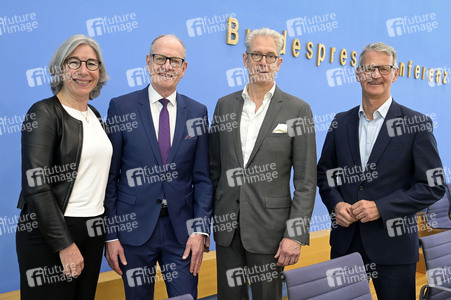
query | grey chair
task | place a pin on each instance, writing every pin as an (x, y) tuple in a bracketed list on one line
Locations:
[(182, 297), (438, 215), (340, 278), (437, 257)]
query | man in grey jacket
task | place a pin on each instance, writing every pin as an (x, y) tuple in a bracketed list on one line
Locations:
[(251, 169)]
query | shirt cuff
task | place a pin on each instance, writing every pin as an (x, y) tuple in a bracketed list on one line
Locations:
[(203, 233)]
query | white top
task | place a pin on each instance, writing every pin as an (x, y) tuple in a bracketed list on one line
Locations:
[(251, 121), (88, 193), (369, 130), (156, 107)]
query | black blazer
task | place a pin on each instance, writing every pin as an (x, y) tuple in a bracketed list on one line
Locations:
[(405, 161), (55, 139)]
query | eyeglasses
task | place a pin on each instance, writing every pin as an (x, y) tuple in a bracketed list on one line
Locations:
[(74, 63), (175, 62), (270, 58), (383, 69)]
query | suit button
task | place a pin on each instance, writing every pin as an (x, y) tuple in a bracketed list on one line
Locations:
[(361, 188), (159, 200), (237, 200)]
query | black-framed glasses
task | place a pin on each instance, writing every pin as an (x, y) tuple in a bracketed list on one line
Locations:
[(270, 58), (175, 62), (74, 63), (383, 69)]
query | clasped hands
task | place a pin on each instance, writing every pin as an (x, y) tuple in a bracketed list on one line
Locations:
[(363, 211)]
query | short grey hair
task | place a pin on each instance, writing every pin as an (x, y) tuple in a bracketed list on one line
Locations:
[(152, 46), (380, 47), (56, 65), (266, 32)]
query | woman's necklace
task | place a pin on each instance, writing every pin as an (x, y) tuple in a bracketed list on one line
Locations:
[(86, 117)]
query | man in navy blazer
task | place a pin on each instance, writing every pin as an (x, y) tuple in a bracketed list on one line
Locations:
[(159, 182), (379, 166)]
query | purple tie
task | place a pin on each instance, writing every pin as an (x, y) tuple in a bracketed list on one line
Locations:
[(164, 133)]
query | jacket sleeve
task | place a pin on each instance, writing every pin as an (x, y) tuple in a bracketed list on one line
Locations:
[(304, 176), (116, 139), (38, 153), (203, 188), (328, 160), (422, 193)]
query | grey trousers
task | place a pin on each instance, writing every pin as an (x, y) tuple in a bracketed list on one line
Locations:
[(237, 267)]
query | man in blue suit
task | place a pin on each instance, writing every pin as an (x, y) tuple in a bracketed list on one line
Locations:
[(159, 183), (379, 166)]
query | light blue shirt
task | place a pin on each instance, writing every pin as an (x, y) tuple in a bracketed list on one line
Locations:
[(369, 130)]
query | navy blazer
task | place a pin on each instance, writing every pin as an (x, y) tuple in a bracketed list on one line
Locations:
[(137, 176), (399, 177)]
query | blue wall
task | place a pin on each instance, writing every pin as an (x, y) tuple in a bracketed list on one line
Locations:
[(32, 30)]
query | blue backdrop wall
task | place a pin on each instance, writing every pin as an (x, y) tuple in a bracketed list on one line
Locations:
[(30, 32)]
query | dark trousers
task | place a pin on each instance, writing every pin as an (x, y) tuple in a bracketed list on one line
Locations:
[(391, 282), (236, 267), (41, 271), (162, 247)]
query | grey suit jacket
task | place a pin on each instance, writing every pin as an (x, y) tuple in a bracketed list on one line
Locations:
[(258, 194)]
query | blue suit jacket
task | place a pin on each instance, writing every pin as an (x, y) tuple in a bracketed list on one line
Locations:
[(138, 180), (402, 156)]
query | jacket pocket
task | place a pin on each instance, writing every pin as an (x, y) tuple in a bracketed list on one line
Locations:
[(126, 198), (279, 202)]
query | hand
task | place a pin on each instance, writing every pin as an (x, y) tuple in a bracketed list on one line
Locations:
[(365, 211), (113, 250), (288, 252), (72, 260), (207, 244), (344, 215), (195, 245)]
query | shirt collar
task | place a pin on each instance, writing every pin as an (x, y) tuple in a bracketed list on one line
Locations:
[(154, 96), (268, 95), (381, 111)]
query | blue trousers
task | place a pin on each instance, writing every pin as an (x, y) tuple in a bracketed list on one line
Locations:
[(139, 275)]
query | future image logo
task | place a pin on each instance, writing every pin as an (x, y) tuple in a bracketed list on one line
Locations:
[(207, 25), (312, 24), (411, 25), (18, 23), (340, 76), (38, 76), (236, 76), (112, 24), (137, 77)]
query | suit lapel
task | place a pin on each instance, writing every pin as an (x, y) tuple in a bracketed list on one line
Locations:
[(180, 125), (273, 110), (383, 138), (147, 121), (236, 136), (353, 136)]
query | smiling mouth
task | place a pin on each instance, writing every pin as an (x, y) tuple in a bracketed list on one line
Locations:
[(166, 76), (82, 82)]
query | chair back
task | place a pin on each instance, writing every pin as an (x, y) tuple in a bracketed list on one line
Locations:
[(437, 257), (182, 297), (340, 278), (438, 214)]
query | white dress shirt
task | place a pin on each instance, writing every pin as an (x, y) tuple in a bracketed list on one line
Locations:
[(251, 121), (156, 107), (369, 130)]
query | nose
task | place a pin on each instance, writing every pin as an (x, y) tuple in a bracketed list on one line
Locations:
[(167, 64), (83, 69)]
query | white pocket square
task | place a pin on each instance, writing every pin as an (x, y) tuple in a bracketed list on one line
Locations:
[(281, 128)]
